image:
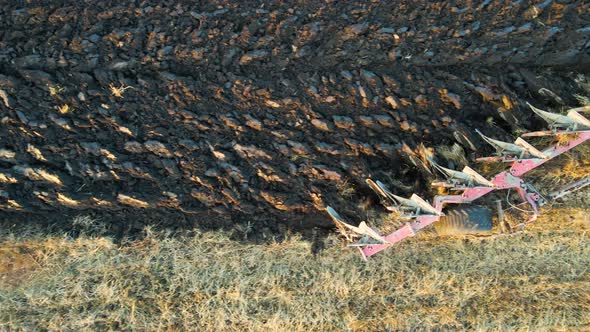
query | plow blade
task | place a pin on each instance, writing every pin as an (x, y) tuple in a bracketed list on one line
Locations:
[(424, 206), (350, 232), (502, 148), (399, 204), (520, 149), (477, 178), (467, 177), (571, 122), (382, 191), (415, 204), (340, 223), (364, 230)]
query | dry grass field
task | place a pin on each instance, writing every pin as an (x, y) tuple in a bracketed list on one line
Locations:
[(536, 280)]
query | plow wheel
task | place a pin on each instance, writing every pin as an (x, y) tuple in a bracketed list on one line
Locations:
[(465, 220)]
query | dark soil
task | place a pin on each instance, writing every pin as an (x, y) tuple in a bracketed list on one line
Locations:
[(261, 113)]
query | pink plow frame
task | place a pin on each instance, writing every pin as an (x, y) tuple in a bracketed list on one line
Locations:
[(509, 179)]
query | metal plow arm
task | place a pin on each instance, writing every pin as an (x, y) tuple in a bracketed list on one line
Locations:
[(570, 188), (404, 232)]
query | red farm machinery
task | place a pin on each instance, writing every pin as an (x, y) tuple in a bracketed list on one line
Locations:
[(468, 185)]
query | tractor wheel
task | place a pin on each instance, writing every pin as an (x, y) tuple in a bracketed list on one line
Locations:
[(465, 220)]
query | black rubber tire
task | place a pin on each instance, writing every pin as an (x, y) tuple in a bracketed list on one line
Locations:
[(471, 219)]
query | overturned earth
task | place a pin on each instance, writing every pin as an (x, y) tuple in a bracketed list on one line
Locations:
[(259, 113)]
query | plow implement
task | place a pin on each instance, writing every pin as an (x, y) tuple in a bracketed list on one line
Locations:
[(469, 185)]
